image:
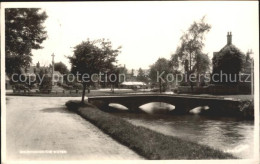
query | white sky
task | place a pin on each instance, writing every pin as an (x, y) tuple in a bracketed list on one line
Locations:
[(145, 30)]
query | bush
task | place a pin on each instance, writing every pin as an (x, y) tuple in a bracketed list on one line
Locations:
[(20, 87), (77, 86), (175, 90), (72, 105), (46, 84), (65, 86)]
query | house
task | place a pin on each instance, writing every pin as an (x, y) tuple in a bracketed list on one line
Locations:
[(32, 72), (227, 68), (227, 64)]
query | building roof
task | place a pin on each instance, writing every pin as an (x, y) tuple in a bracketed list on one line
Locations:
[(34, 69), (228, 47), (136, 83)]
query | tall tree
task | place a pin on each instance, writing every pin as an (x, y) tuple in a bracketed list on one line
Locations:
[(141, 76), (24, 31), (123, 71), (189, 54), (61, 67), (92, 57), (159, 71)]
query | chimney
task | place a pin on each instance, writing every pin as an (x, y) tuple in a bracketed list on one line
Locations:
[(229, 38)]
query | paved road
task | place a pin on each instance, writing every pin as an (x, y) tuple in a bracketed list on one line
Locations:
[(41, 128)]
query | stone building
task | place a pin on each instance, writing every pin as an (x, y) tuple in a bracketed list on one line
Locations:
[(231, 66), (229, 59)]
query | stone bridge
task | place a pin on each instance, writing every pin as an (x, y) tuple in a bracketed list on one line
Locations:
[(183, 103)]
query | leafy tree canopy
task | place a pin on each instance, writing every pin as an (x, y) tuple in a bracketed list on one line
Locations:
[(160, 66), (229, 60), (159, 71), (92, 57), (24, 31), (141, 76), (61, 67), (189, 54)]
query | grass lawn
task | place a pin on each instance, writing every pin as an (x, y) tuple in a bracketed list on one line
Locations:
[(148, 143)]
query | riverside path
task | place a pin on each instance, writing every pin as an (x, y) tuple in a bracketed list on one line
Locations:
[(41, 128)]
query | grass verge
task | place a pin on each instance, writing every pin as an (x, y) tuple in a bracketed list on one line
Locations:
[(148, 143)]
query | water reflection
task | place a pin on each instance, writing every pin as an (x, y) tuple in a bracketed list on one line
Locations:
[(224, 133)]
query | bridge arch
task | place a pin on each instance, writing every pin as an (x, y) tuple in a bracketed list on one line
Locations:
[(157, 107), (136, 105), (117, 106), (199, 109)]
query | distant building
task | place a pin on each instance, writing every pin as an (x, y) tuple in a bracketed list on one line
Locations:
[(132, 75), (32, 71), (133, 85), (227, 65), (228, 47), (249, 63)]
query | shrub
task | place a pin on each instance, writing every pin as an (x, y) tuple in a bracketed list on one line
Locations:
[(20, 87), (77, 86), (65, 86), (46, 84)]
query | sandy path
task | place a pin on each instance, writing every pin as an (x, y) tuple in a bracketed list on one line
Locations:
[(41, 128)]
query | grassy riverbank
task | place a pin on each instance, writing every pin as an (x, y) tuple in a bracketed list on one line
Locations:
[(148, 143)]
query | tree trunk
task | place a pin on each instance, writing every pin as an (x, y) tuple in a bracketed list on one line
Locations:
[(83, 92), (191, 85), (160, 85)]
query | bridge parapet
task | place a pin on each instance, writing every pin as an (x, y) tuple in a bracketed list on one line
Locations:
[(183, 104)]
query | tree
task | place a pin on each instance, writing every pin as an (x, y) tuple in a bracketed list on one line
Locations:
[(45, 81), (61, 67), (141, 76), (123, 71), (189, 54), (159, 71), (230, 61), (114, 78), (24, 31), (92, 57)]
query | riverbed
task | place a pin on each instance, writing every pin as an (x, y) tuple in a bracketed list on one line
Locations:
[(232, 135)]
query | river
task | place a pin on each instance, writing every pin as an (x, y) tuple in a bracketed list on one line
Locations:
[(227, 134)]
